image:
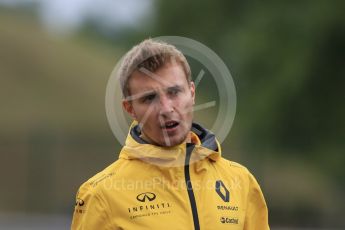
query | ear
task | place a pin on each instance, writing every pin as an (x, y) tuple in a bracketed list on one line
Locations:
[(128, 107), (192, 90)]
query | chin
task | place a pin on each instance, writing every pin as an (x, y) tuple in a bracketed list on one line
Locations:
[(174, 141)]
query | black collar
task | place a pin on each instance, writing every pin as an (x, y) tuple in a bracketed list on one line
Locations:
[(207, 138)]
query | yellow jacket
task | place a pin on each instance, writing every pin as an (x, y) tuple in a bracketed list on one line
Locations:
[(189, 186)]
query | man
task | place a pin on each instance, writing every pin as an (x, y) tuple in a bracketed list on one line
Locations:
[(170, 173)]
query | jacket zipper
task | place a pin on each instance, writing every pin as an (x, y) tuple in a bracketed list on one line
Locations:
[(189, 149)]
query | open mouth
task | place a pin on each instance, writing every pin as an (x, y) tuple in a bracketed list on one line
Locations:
[(170, 125)]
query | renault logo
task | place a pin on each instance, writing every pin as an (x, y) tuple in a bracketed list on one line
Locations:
[(222, 191), (146, 196)]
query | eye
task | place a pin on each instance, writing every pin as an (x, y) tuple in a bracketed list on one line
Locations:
[(148, 98), (173, 91)]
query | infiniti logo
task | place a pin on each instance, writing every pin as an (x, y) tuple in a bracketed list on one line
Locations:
[(146, 196), (79, 202)]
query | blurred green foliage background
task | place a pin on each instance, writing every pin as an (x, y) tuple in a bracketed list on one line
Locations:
[(287, 59)]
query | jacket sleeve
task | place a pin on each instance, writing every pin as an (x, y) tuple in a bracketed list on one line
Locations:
[(90, 210), (256, 210)]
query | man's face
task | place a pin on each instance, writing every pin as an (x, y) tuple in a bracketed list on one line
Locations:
[(162, 103)]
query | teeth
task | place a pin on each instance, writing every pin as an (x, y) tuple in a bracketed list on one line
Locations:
[(169, 124)]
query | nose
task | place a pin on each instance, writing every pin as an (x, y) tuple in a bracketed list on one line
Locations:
[(166, 106)]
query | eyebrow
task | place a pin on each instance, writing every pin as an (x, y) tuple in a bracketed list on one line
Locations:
[(139, 95), (150, 92), (174, 87)]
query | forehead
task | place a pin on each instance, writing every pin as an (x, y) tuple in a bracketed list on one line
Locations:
[(170, 74)]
